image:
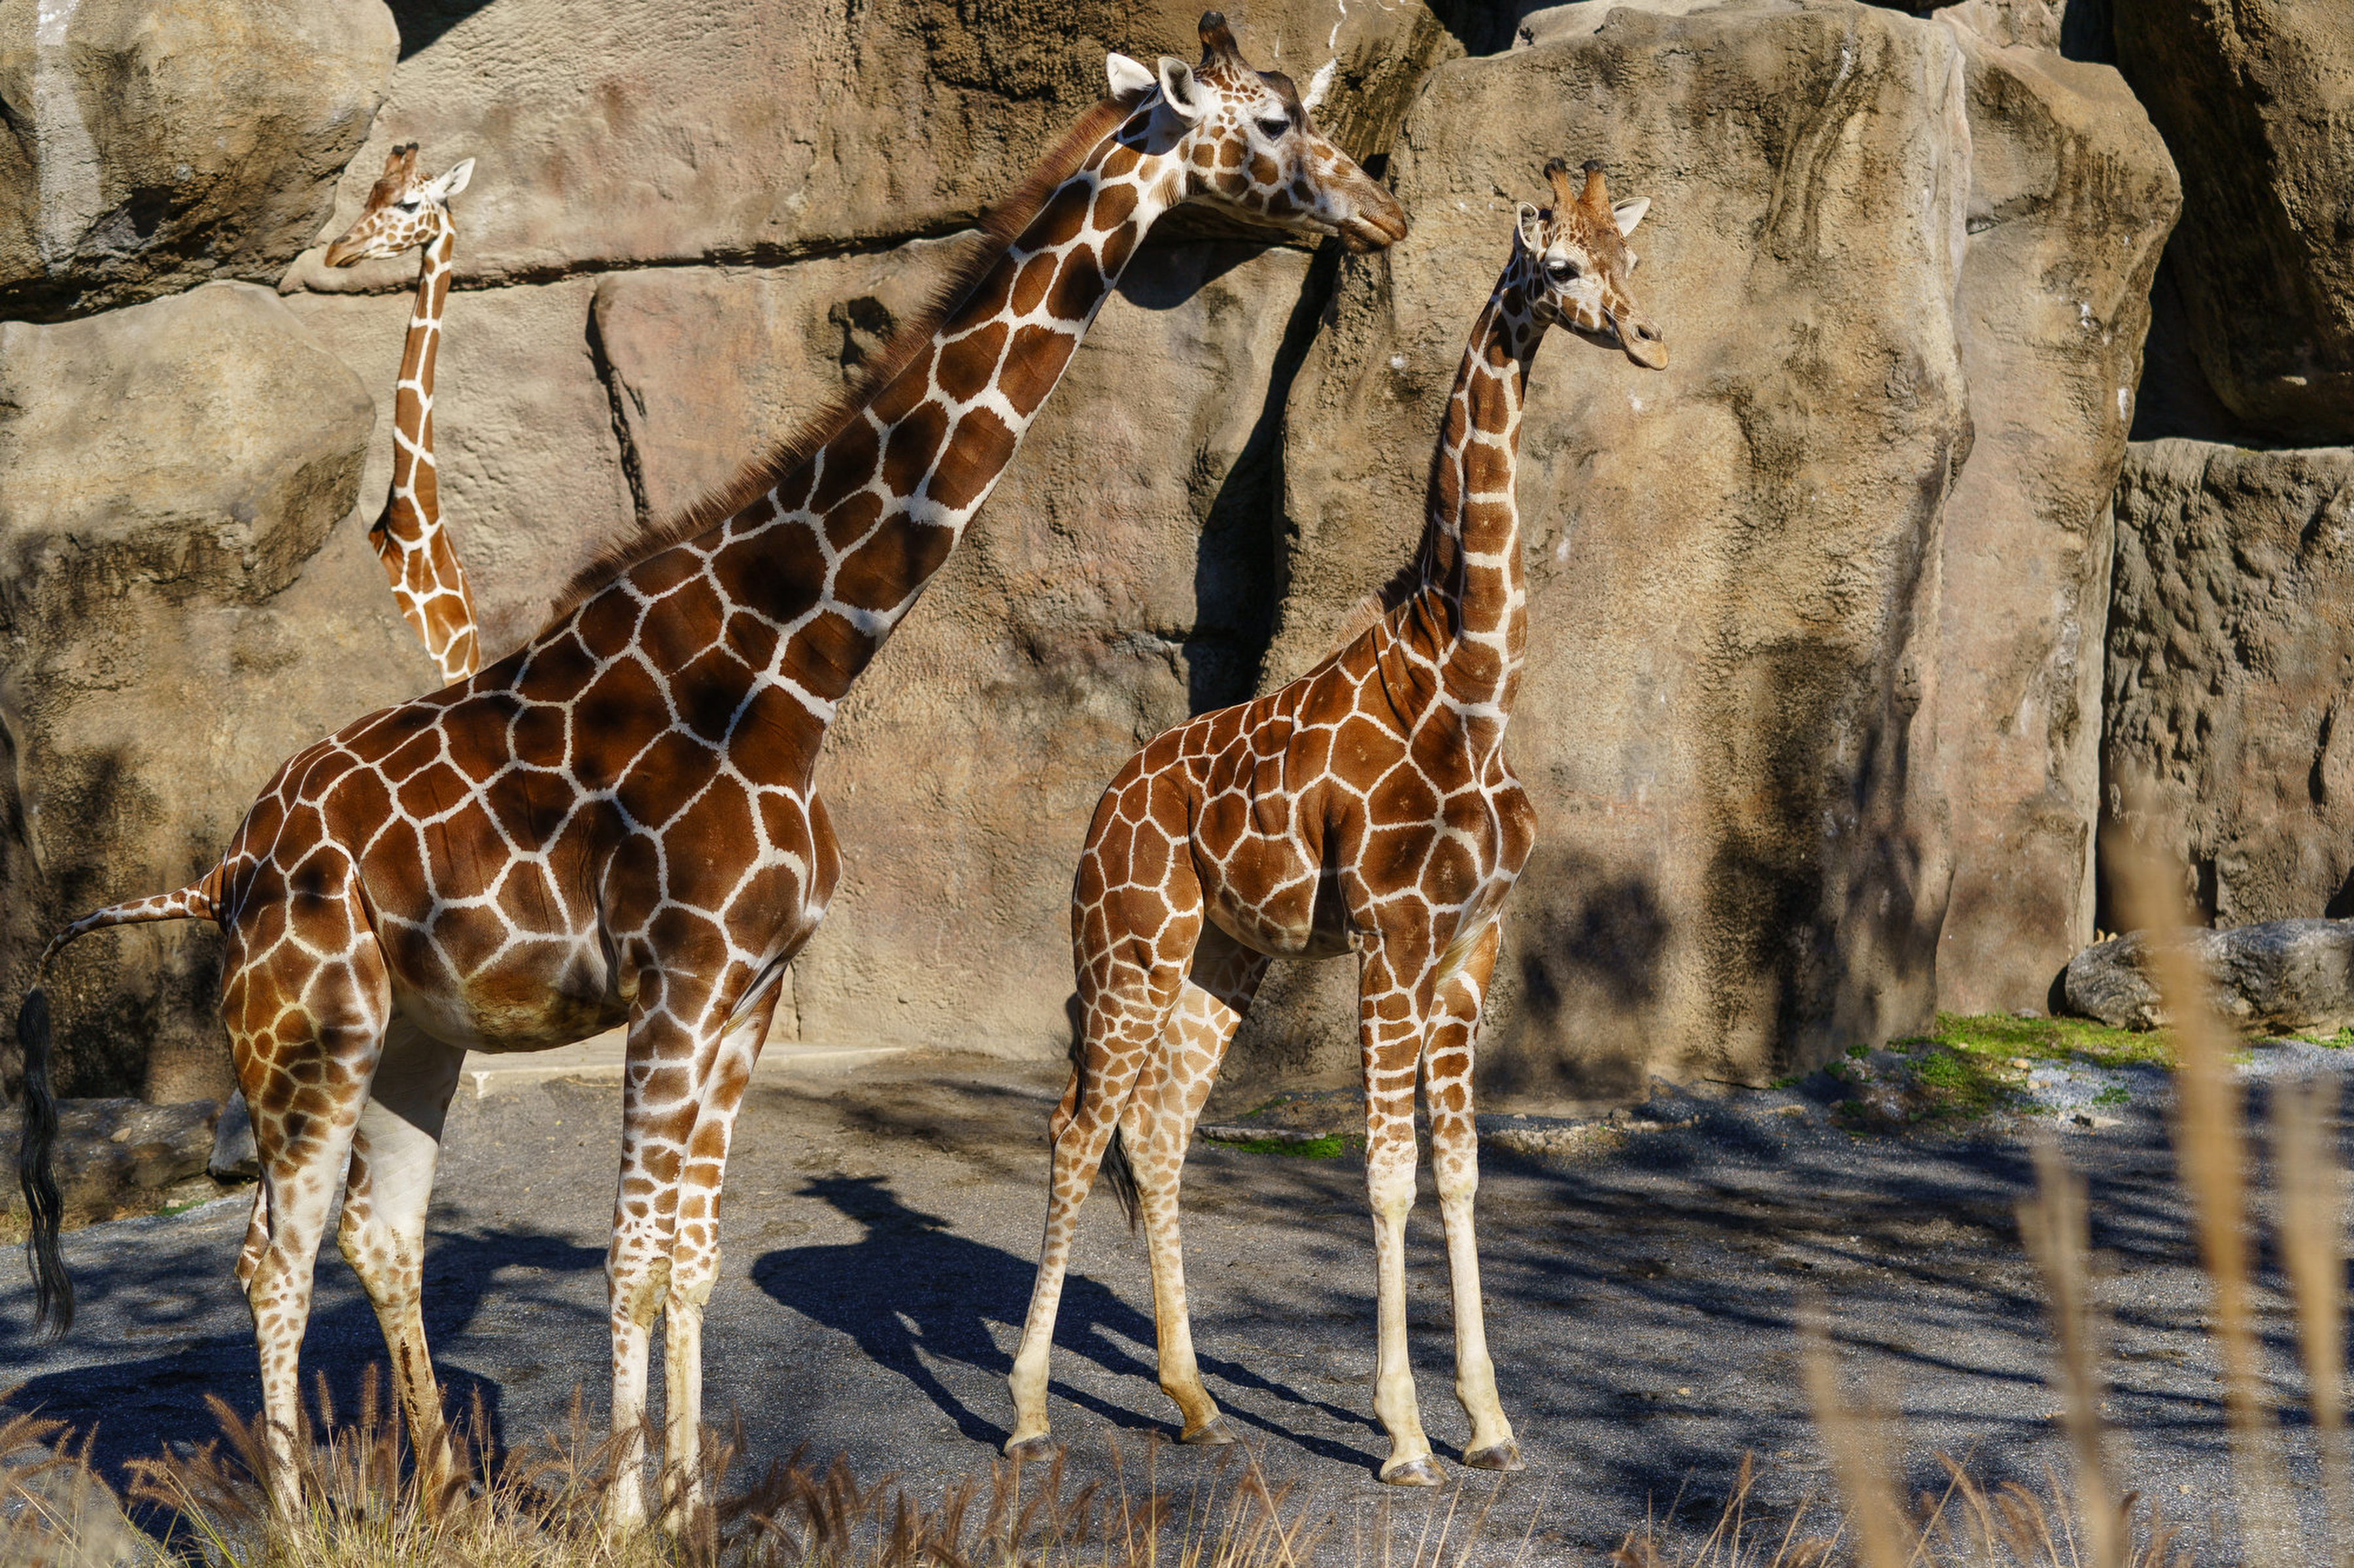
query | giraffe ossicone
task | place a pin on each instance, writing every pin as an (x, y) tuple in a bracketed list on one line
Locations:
[(618, 822), (404, 209), (1367, 808)]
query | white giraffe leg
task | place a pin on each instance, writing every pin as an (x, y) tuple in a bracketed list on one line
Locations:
[(1391, 1011), (1455, 1158), (395, 1151), (1156, 1132), (694, 1260)]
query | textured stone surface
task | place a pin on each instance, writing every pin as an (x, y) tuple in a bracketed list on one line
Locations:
[(532, 478), (2287, 976), (2230, 672), (156, 144), (1731, 685), (610, 133), (113, 1156), (170, 628), (2255, 98), (2071, 198)]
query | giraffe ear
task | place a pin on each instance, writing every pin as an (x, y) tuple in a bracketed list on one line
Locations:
[(1526, 223), (1129, 77), (454, 181), (1180, 92), (1629, 213)]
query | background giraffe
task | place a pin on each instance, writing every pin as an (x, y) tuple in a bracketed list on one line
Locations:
[(1368, 808), (617, 822), (403, 208)]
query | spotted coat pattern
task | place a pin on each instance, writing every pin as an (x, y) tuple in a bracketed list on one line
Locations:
[(617, 822), (1367, 808)]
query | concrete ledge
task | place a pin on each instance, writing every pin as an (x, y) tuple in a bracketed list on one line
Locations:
[(600, 1057)]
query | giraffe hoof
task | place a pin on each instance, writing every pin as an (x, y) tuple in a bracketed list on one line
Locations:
[(1505, 1456), (1213, 1433), (1021, 1450), (1411, 1473)]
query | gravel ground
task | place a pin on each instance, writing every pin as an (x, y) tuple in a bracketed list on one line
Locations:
[(1643, 1274)]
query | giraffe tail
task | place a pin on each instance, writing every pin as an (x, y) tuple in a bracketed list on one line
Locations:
[(53, 1298)]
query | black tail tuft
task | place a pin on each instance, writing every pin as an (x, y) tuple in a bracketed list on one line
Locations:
[(52, 1291), (1120, 1177)]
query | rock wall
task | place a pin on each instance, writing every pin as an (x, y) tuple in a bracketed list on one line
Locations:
[(2255, 99), (2230, 727), (151, 146), (2072, 194), (1814, 609)]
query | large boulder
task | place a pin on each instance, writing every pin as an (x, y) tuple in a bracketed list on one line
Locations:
[(2256, 99), (1120, 577), (2230, 718), (743, 131), (180, 611), (1731, 695), (157, 145), (2285, 976), (2071, 199)]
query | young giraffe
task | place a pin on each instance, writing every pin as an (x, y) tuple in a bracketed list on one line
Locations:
[(617, 822), (1366, 807), (405, 209)]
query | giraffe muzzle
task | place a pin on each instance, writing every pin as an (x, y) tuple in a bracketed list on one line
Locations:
[(1641, 338)]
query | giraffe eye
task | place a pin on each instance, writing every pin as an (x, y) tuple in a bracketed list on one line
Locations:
[(1562, 268), (1273, 130)]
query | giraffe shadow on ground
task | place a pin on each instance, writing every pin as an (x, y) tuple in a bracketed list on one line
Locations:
[(911, 1288), (139, 1406)]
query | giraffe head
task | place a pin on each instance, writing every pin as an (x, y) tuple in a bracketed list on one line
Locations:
[(1245, 139), (402, 209), (1574, 262)]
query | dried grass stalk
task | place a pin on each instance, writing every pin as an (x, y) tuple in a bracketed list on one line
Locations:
[(2313, 1252), (2211, 1145), (2057, 1236)]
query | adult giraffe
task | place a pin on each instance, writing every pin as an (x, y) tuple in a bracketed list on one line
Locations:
[(617, 822), (404, 209), (1366, 807)]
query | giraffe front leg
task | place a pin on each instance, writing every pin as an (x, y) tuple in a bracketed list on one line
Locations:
[(1390, 1030), (1454, 1155)]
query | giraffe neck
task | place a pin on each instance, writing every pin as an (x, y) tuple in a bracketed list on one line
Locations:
[(1472, 610), (413, 510), (837, 554)]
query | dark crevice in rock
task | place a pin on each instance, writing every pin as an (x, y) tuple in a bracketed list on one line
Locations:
[(632, 465), (1239, 571)]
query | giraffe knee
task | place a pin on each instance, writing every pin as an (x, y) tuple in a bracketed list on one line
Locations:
[(692, 1279), (1389, 1183), (639, 1290)]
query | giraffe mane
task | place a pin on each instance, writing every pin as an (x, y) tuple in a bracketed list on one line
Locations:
[(1000, 226)]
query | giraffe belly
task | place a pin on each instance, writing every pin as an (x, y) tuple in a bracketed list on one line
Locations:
[(518, 1006)]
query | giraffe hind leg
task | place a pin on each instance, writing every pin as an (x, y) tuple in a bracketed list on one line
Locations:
[(394, 1150), (305, 1067), (1126, 994), (1158, 1127)]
